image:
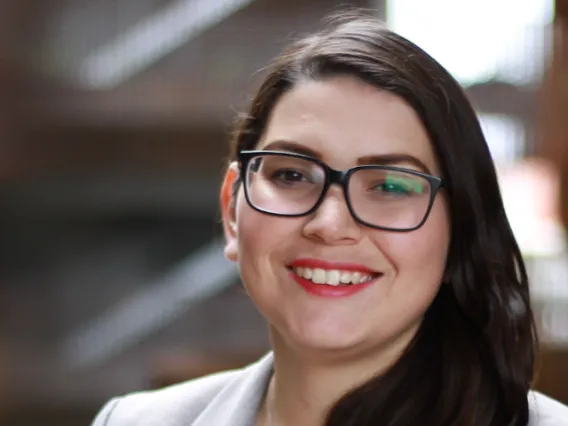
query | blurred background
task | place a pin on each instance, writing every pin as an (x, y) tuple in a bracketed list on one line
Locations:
[(114, 123)]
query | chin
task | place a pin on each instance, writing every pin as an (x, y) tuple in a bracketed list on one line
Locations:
[(333, 342), (328, 341)]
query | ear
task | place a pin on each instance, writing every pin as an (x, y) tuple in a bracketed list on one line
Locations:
[(228, 207)]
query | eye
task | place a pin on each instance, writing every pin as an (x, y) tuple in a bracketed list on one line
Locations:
[(393, 187), (288, 176), (400, 186)]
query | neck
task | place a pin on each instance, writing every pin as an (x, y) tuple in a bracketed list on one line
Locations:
[(305, 387)]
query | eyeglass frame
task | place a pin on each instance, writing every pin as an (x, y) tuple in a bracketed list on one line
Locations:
[(341, 178)]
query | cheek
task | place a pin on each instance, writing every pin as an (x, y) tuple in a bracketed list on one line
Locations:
[(421, 254), (258, 233), (261, 242)]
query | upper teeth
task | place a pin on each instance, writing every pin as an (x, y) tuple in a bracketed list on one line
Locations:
[(332, 277)]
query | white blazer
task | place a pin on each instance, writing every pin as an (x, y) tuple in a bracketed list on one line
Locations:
[(233, 398)]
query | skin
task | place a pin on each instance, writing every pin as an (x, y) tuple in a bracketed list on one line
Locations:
[(324, 347)]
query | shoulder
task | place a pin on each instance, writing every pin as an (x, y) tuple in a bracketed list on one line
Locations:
[(545, 411), (185, 400), (182, 403)]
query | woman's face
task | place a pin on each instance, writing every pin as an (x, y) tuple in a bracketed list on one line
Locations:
[(344, 121)]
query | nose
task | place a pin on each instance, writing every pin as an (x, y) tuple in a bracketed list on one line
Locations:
[(332, 222)]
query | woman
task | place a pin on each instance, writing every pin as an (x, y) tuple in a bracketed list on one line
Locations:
[(362, 206)]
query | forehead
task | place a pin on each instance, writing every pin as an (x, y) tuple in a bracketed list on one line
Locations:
[(345, 119)]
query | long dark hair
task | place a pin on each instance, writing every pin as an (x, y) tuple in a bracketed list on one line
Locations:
[(472, 361)]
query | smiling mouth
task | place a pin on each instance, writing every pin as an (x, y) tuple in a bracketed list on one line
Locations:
[(334, 277)]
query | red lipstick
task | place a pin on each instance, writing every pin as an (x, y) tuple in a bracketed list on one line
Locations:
[(325, 290)]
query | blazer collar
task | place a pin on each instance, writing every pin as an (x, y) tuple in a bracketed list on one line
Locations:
[(239, 401)]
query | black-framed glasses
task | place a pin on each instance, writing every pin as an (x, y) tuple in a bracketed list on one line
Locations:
[(287, 184)]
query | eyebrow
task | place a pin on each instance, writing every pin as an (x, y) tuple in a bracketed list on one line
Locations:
[(380, 160)]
